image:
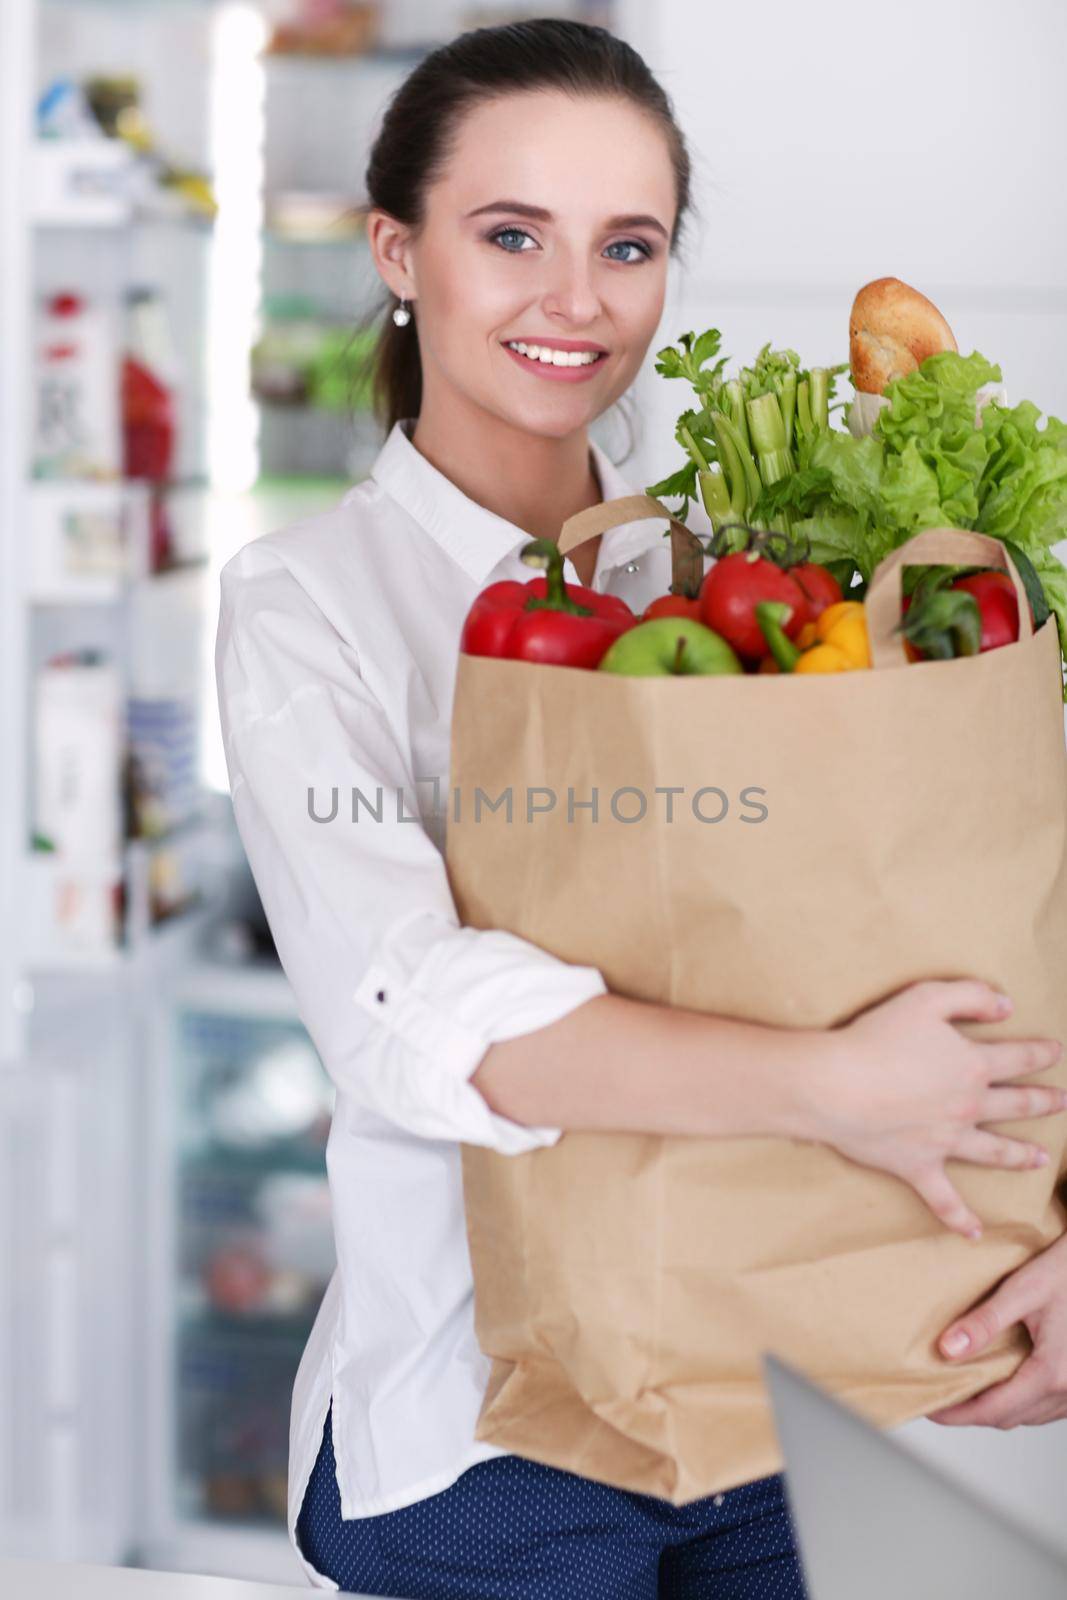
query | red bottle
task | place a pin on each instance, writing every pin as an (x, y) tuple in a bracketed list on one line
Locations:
[(149, 403)]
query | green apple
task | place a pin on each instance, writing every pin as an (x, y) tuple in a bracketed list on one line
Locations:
[(666, 646)]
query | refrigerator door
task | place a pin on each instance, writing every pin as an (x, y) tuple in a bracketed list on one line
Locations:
[(241, 1251)]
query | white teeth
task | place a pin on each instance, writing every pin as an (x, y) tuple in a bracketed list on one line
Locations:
[(554, 358)]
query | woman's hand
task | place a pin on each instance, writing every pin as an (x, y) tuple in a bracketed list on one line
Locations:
[(906, 1091), (1034, 1294)]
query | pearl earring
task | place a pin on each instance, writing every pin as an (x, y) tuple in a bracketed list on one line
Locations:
[(402, 316)]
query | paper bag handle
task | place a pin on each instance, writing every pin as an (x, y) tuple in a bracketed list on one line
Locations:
[(687, 552), (948, 546)]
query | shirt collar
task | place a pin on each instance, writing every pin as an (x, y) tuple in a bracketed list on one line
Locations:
[(478, 538)]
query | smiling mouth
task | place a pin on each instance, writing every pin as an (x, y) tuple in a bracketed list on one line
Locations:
[(546, 356)]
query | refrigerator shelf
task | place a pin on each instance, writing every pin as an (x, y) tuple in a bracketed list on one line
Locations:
[(166, 940), (91, 541)]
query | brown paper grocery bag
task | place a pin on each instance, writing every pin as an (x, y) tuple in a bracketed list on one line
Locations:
[(833, 839)]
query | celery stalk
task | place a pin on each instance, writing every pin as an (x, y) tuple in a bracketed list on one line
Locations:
[(820, 397), (787, 399), (765, 426), (803, 408), (693, 448), (731, 463), (767, 431), (736, 396), (725, 428), (775, 464), (715, 493)]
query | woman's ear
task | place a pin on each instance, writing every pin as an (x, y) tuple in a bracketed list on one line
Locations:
[(390, 244)]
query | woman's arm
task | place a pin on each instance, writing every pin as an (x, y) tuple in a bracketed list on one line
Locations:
[(399, 1000), (899, 1088), (622, 1065)]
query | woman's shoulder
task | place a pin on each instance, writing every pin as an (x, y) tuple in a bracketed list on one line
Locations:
[(313, 543), (330, 569), (289, 604)]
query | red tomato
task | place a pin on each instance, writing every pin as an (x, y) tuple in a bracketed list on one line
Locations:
[(820, 586), (730, 592), (672, 605)]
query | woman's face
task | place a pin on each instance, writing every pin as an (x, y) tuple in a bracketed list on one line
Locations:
[(550, 224)]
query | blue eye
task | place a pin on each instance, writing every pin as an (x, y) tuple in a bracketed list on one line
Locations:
[(633, 244), (644, 253), (503, 233)]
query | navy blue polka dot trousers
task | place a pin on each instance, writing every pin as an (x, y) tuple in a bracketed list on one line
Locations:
[(512, 1529)]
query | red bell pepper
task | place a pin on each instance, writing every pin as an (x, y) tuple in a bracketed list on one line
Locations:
[(965, 617), (998, 606), (545, 620)]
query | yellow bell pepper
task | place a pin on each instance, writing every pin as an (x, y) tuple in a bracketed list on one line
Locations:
[(835, 642), (844, 626), (823, 658)]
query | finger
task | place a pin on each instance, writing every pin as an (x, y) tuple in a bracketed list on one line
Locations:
[(1053, 1410), (946, 1202), (951, 1416), (993, 1150), (1002, 1405), (966, 998), (1010, 1058), (1017, 1104), (1021, 1293)]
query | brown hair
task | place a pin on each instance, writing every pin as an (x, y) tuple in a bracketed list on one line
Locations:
[(417, 134)]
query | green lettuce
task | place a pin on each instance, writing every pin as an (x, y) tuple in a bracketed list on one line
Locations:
[(933, 459), (928, 464)]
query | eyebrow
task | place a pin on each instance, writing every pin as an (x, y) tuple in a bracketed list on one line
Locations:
[(539, 214)]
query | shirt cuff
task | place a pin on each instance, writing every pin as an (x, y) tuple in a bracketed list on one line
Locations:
[(443, 994)]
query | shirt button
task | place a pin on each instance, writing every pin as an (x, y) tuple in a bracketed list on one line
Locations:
[(719, 1498), (632, 566), (380, 996)]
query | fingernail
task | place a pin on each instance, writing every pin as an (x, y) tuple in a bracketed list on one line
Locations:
[(974, 1233), (1040, 1158), (955, 1343), (1003, 1004)]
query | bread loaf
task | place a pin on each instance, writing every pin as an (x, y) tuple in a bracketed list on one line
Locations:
[(891, 331)]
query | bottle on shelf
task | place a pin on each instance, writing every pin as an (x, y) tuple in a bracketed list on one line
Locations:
[(149, 388), (78, 816), (150, 406), (77, 432)]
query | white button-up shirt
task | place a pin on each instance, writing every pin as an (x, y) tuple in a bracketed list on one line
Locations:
[(335, 660)]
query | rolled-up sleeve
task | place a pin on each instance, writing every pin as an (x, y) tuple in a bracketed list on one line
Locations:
[(400, 1001)]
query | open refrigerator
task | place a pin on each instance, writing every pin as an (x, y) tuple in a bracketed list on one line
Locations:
[(164, 1226), (164, 1219)]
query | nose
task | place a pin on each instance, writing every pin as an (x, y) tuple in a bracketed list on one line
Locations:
[(572, 297)]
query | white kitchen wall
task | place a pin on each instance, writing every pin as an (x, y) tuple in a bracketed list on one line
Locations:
[(834, 143)]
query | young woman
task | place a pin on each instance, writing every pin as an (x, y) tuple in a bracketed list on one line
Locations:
[(527, 189)]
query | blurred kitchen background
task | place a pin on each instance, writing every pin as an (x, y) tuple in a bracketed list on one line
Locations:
[(179, 284)]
